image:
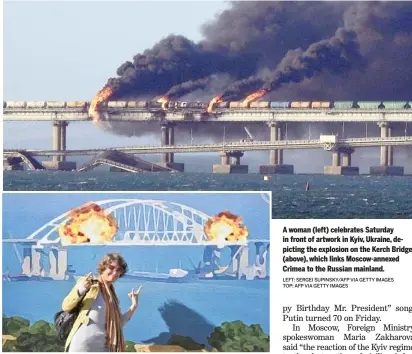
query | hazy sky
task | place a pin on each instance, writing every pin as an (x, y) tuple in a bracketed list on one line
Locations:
[(68, 50)]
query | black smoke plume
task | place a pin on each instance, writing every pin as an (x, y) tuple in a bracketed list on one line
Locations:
[(322, 51), (275, 44), (174, 61)]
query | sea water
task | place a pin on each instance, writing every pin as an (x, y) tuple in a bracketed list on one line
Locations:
[(329, 196)]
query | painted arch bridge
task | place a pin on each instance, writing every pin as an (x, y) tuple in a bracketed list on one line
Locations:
[(140, 221)]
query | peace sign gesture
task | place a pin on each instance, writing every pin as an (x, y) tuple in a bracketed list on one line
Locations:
[(134, 297)]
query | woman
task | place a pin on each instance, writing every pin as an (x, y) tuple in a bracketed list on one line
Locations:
[(99, 326)]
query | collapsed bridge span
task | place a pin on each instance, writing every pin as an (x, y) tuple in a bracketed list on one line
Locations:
[(125, 162)]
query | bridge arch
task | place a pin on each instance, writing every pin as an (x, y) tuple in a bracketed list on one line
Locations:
[(140, 221)]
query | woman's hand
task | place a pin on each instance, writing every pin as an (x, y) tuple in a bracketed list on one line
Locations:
[(134, 297), (87, 282)]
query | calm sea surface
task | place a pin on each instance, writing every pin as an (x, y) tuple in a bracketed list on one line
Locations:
[(329, 196)]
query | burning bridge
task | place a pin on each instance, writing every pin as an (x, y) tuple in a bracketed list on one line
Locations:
[(276, 120), (141, 223)]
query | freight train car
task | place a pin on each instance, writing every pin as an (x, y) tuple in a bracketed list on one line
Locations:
[(260, 104), (369, 104), (195, 105), (136, 104), (396, 104), (238, 104), (76, 104), (16, 104), (179, 104), (116, 104), (300, 104), (36, 104), (56, 104), (344, 105), (321, 104), (279, 105), (153, 104)]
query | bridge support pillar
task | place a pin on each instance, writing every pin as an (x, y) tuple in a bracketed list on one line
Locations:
[(53, 259), (335, 158), (386, 167), (35, 262), (31, 261), (240, 260), (227, 166), (341, 163), (57, 132), (346, 159), (63, 126), (276, 165), (59, 144), (234, 250), (384, 149), (243, 262), (26, 265), (236, 155), (261, 267), (280, 151), (225, 158), (168, 139), (171, 133), (61, 262), (164, 142), (274, 137)]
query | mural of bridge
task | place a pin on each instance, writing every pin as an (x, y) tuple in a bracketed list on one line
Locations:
[(141, 222)]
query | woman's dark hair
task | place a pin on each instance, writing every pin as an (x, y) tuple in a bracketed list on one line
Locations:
[(110, 257)]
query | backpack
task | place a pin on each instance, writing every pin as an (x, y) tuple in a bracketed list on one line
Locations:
[(64, 320)]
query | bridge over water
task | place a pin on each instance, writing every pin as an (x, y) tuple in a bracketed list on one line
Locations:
[(122, 158), (141, 223), (276, 119)]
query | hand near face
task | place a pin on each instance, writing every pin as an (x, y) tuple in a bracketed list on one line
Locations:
[(134, 297), (87, 282)]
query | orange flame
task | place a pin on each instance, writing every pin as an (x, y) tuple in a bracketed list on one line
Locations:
[(214, 100), (100, 97), (163, 100), (88, 224), (255, 96), (225, 227)]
